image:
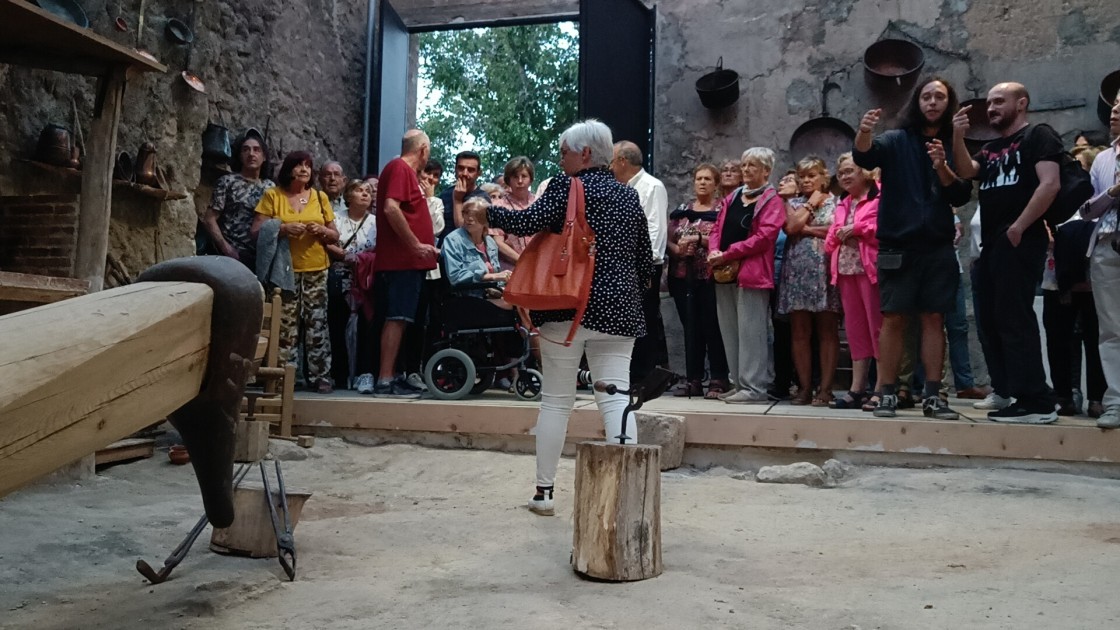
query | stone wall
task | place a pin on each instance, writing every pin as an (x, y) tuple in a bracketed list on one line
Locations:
[(302, 63), (784, 51)]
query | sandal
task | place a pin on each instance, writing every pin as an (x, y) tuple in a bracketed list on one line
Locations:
[(801, 398), (823, 399), (850, 400), (905, 400), (715, 388), (692, 388), (871, 403)]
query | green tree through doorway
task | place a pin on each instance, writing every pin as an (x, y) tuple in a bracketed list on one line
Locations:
[(502, 91)]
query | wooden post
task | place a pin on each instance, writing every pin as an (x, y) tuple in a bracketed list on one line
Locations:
[(617, 513), (250, 441), (97, 185)]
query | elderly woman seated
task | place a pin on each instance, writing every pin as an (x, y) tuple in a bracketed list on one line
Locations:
[(470, 255)]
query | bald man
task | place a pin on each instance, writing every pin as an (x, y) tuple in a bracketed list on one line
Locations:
[(1018, 175), (405, 252), (626, 165)]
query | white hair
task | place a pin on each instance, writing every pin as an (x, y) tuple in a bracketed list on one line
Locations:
[(761, 155), (590, 134)]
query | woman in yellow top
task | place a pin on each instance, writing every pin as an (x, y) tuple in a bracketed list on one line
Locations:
[(307, 222)]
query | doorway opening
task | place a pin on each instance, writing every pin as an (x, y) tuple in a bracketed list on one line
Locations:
[(500, 91)]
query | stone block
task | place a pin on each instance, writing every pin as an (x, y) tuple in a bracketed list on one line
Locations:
[(665, 431), (802, 472)]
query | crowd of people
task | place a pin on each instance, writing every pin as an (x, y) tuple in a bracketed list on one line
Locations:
[(765, 274)]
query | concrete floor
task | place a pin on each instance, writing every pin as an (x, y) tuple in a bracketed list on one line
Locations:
[(407, 537)]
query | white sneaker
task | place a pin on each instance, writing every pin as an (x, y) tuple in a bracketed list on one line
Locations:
[(417, 382), (542, 503), (992, 402), (728, 394), (364, 383), (1110, 419), (745, 397)]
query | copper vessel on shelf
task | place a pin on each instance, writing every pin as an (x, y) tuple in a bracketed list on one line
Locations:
[(145, 166)]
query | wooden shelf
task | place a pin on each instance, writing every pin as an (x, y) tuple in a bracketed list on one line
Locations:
[(26, 287), (118, 184), (30, 36)]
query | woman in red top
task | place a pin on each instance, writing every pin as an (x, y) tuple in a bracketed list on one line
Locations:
[(691, 285)]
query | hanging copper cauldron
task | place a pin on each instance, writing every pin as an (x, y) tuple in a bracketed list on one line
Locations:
[(54, 146)]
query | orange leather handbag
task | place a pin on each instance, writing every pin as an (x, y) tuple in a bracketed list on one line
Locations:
[(554, 272)]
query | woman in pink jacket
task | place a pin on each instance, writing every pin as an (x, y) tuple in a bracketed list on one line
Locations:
[(855, 252), (742, 258)]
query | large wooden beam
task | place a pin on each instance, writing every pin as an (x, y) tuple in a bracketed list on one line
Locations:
[(97, 180), (82, 373)]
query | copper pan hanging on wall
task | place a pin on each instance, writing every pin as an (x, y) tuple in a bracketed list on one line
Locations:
[(824, 136), (892, 63)]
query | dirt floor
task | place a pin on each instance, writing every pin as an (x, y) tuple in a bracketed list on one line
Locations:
[(408, 537)]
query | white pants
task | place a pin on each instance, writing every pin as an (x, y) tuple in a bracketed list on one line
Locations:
[(1104, 272), (744, 319), (608, 357)]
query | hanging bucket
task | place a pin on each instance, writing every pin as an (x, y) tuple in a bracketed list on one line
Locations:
[(718, 89)]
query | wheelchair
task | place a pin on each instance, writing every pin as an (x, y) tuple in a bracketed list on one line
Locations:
[(473, 335)]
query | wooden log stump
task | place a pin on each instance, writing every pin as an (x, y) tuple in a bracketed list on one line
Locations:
[(617, 513), (251, 533)]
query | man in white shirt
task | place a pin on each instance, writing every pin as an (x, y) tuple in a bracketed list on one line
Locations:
[(1104, 265), (649, 351)]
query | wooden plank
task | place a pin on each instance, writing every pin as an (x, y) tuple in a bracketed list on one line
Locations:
[(435, 416), (84, 372), (26, 287), (855, 431), (38, 38), (905, 435), (124, 450), (97, 186)]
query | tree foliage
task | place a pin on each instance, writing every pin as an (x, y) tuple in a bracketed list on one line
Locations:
[(502, 92)]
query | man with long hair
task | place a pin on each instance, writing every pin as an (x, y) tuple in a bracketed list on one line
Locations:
[(918, 272)]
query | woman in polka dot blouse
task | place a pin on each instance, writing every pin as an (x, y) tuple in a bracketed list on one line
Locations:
[(623, 269)]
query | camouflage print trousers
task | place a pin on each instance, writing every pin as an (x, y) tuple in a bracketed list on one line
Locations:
[(304, 319)]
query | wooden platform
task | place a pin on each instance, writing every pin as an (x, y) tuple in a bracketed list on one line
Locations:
[(713, 423)]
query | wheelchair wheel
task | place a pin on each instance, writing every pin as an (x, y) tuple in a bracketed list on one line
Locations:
[(529, 384), (483, 382), (449, 374)]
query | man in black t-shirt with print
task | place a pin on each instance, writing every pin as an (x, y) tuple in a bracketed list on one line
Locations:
[(1018, 176)]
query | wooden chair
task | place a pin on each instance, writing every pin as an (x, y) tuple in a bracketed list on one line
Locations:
[(277, 382)]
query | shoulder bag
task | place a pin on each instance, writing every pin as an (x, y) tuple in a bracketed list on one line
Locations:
[(555, 270)]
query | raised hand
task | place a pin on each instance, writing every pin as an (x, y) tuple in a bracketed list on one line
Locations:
[(936, 152), (870, 120), (960, 121)]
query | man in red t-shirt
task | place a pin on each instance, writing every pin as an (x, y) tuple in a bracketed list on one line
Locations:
[(405, 252)]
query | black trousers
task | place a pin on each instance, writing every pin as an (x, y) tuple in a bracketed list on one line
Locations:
[(696, 305), (1063, 347), (1007, 277), (650, 351), (782, 349), (338, 314)]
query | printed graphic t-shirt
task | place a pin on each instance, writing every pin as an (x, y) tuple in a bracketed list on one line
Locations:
[(308, 254), (1008, 179), (398, 181)]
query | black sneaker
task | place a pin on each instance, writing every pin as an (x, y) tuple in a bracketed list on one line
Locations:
[(404, 385), (1021, 414), (936, 407), (395, 389), (886, 407)]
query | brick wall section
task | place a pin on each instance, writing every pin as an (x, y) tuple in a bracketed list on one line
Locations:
[(38, 234)]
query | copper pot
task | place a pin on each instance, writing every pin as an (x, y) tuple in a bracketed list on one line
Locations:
[(145, 165), (54, 145)]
